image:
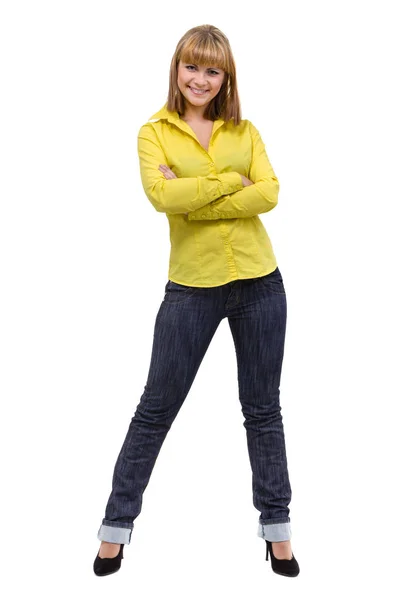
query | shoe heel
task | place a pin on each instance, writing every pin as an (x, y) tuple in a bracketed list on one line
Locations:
[(287, 567)]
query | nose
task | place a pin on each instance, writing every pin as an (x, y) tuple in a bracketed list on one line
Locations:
[(201, 82)]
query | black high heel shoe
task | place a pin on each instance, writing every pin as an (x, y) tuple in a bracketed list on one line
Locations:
[(283, 566), (106, 566)]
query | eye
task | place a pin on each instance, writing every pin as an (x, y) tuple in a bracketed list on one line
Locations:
[(211, 70)]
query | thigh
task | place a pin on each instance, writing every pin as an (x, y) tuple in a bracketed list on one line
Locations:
[(182, 334), (258, 330)]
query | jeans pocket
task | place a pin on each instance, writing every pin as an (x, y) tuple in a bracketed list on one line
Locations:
[(273, 282), (177, 292)]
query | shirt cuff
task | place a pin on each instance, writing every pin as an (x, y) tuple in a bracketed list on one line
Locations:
[(231, 182)]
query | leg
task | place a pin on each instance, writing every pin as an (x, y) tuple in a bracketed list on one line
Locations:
[(181, 338), (258, 330)]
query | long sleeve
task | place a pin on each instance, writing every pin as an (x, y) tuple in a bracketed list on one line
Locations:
[(182, 194), (260, 197)]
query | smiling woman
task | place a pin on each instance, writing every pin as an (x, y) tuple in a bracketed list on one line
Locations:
[(208, 171)]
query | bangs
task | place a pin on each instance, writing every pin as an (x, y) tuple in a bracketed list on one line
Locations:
[(204, 52)]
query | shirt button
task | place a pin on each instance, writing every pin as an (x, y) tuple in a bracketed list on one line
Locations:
[(211, 164)]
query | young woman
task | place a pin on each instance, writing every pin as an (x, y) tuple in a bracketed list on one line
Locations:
[(208, 171)]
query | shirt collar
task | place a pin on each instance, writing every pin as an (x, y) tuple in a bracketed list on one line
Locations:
[(164, 113), (173, 117)]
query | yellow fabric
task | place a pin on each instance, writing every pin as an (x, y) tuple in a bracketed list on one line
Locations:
[(221, 238)]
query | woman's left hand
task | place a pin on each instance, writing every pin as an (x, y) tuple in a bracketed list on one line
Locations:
[(168, 174)]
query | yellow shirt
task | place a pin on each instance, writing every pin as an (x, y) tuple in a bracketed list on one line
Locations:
[(222, 237)]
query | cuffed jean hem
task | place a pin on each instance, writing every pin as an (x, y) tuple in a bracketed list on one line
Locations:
[(275, 532), (114, 535)]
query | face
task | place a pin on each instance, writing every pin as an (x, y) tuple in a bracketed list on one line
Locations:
[(207, 79)]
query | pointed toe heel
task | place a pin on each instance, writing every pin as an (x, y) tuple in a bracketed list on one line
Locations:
[(282, 566), (106, 566)]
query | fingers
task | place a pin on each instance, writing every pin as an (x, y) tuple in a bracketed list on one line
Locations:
[(168, 174)]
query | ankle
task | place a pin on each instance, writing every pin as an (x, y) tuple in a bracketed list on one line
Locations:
[(109, 543), (109, 550), (282, 550)]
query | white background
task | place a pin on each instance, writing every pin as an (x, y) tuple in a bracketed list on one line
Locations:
[(84, 260)]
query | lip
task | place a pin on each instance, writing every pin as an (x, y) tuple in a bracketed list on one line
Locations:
[(198, 89)]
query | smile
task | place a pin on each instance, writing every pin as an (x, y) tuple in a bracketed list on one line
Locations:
[(197, 92)]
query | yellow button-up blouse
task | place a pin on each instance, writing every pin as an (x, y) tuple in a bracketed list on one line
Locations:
[(222, 237)]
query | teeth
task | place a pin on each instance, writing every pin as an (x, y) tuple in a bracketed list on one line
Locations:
[(199, 93)]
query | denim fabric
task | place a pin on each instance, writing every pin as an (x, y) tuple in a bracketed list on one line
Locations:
[(185, 325)]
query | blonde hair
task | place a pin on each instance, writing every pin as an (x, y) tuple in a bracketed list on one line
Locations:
[(207, 45)]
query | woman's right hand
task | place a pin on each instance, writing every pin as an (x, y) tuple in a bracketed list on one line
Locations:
[(245, 180)]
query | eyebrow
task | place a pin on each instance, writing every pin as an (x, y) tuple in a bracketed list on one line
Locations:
[(194, 64)]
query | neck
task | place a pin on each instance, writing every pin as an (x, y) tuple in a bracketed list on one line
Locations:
[(194, 113)]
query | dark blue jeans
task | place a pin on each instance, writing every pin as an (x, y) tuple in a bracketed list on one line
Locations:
[(185, 325)]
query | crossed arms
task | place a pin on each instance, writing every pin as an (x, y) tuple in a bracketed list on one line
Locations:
[(215, 196)]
